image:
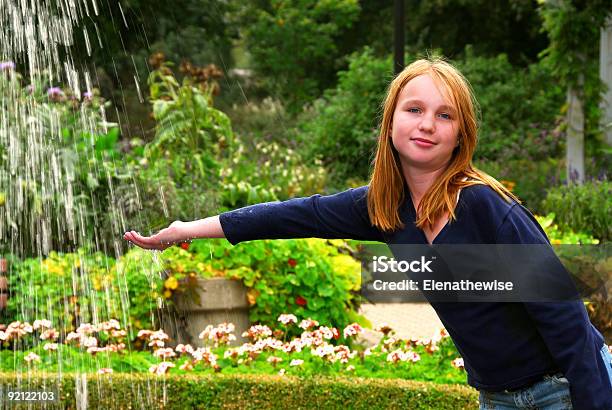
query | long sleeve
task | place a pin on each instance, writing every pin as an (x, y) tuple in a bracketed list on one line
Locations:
[(340, 216), (571, 339)]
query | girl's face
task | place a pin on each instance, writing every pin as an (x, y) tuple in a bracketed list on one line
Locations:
[(425, 125)]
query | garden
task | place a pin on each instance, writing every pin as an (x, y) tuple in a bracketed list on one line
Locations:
[(136, 114)]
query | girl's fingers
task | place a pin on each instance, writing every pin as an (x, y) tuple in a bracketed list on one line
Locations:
[(145, 242)]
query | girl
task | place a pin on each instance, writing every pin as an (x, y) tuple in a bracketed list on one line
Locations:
[(425, 190)]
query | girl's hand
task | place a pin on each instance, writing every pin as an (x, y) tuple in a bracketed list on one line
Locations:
[(175, 233)]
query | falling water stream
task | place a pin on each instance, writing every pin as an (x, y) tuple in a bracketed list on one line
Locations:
[(39, 205)]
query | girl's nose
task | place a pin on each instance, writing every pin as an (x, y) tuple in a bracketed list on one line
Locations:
[(427, 124)]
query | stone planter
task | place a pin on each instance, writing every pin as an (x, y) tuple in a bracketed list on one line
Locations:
[(221, 300)]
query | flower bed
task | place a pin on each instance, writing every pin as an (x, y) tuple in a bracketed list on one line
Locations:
[(316, 351)]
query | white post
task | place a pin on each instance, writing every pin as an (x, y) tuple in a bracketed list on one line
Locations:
[(575, 137), (605, 72)]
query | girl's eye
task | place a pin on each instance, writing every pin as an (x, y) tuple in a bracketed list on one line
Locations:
[(445, 116), (414, 109)]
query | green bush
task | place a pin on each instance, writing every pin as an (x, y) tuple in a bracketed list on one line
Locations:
[(341, 127), (275, 173), (528, 179), (310, 278), (177, 173), (519, 108), (585, 208), (292, 44), (247, 392)]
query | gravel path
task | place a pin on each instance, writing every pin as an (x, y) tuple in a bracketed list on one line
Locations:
[(407, 319)]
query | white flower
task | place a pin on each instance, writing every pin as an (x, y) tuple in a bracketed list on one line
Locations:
[(285, 319), (352, 330), (90, 342), (308, 323), (323, 350), (186, 366), (118, 333), (156, 343), (181, 348), (350, 368), (161, 368), (41, 323), (144, 333), (32, 357), (296, 362), (274, 359), (50, 346), (159, 335), (164, 353), (458, 363), (105, 370), (257, 332), (50, 334), (111, 324), (86, 328), (281, 372)]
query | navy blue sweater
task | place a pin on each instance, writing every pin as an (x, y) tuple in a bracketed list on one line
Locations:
[(504, 345)]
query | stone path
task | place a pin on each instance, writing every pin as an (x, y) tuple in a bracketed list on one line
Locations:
[(407, 319)]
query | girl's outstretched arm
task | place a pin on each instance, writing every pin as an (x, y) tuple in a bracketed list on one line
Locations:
[(178, 231), (340, 216)]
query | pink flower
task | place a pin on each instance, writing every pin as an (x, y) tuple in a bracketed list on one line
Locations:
[(7, 66), (105, 370)]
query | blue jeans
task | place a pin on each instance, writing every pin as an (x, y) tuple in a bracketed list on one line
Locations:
[(551, 393)]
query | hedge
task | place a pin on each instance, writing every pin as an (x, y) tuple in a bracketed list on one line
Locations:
[(129, 391)]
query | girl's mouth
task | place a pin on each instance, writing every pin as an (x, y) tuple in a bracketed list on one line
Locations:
[(421, 142)]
